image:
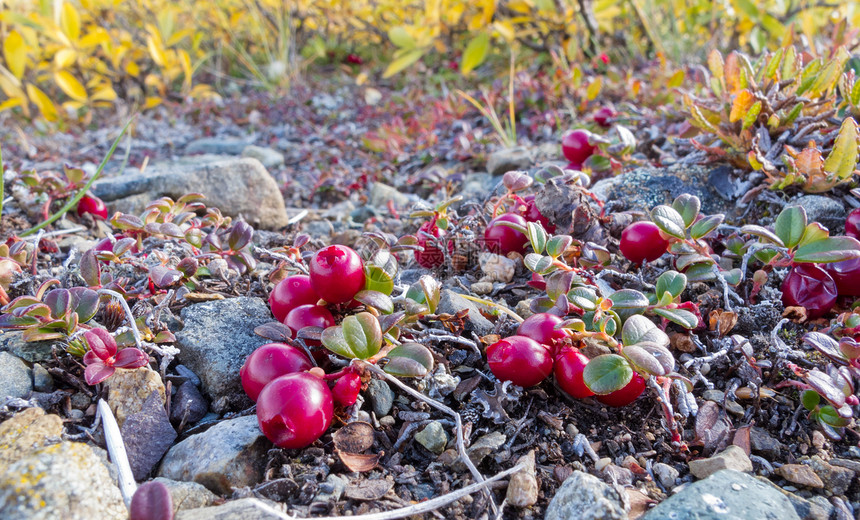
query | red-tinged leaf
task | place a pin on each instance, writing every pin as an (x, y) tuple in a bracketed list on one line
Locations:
[(59, 300), (97, 372), (831, 249), (101, 342), (151, 501), (131, 358)]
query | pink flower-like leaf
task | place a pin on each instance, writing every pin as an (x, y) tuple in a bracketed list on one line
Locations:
[(131, 358), (97, 372), (101, 343)]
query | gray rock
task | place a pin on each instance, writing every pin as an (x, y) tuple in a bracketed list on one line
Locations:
[(485, 445), (187, 495), (646, 187), (836, 479), (229, 455), (585, 497), (216, 145), (478, 186), (331, 490), (733, 457), (16, 378), (452, 303), (42, 380), (381, 397), (827, 211), (507, 159), (381, 193), (805, 509), (217, 338), (147, 436), (29, 351), (762, 443), (188, 404), (666, 474), (65, 480), (318, 228), (243, 509), (433, 437), (268, 157), (25, 432), (235, 186), (725, 495)]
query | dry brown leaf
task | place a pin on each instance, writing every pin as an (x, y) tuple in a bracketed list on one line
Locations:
[(355, 437), (357, 462)]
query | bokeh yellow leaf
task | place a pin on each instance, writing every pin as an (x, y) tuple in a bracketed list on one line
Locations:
[(42, 102), (70, 85), (15, 52)]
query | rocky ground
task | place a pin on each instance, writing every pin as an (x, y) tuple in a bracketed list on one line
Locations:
[(304, 165)]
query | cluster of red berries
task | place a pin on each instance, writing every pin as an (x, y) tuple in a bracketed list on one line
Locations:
[(499, 238), (295, 405), (538, 349)]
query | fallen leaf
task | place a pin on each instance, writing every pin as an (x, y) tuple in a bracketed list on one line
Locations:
[(357, 462)]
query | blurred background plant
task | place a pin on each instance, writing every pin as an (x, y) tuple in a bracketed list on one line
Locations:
[(62, 59)]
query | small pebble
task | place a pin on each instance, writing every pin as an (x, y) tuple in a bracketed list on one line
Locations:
[(602, 463)]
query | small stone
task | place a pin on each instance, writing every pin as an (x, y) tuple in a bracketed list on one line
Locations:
[(734, 408), (853, 465), (482, 288), (188, 404), (602, 463), (216, 145), (187, 495), (800, 474), (523, 487), (129, 390), (818, 440), (665, 474), (26, 431), (725, 495), (381, 193), (229, 455), (483, 446), (30, 351), (42, 380), (585, 497), (639, 503), (497, 267), (16, 378), (270, 158), (66, 480), (762, 443), (714, 395), (387, 421), (507, 159), (733, 457), (452, 303), (836, 479), (433, 437), (147, 436), (380, 396), (331, 490), (81, 401)]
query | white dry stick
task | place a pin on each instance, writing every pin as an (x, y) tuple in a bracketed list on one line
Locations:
[(461, 445), (116, 449)]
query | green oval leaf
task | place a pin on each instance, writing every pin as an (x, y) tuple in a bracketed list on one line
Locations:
[(537, 236), (376, 279), (642, 360), (682, 317), (706, 225), (556, 245), (410, 360), (639, 329), (628, 299), (607, 373), (669, 221), (376, 300), (363, 334), (688, 207), (475, 52), (831, 249), (672, 282), (790, 225)]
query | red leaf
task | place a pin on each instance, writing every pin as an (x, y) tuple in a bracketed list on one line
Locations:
[(131, 358), (97, 372)]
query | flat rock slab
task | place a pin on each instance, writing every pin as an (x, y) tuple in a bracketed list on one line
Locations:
[(66, 480), (726, 495), (243, 509), (585, 497), (235, 186), (231, 454), (452, 303), (147, 435), (215, 341), (25, 432), (30, 351)]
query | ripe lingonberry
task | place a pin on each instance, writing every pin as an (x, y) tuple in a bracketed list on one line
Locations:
[(603, 116), (810, 287), (336, 273), (345, 390), (541, 328), (846, 274), (92, 205), (295, 410), (503, 239), (642, 242), (308, 316), (533, 214), (575, 146), (568, 373), (520, 360), (626, 395), (290, 293), (432, 256), (269, 362), (852, 224)]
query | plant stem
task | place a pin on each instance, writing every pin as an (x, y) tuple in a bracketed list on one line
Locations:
[(500, 307), (74, 200)]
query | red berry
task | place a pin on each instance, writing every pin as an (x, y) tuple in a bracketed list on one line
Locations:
[(852, 224), (432, 256), (626, 395), (345, 391), (846, 274), (308, 316), (92, 205), (520, 360), (810, 287), (337, 273), (541, 328), (355, 59), (568, 373), (602, 117), (295, 410), (575, 146), (642, 242), (533, 214), (269, 362), (290, 293), (503, 239)]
